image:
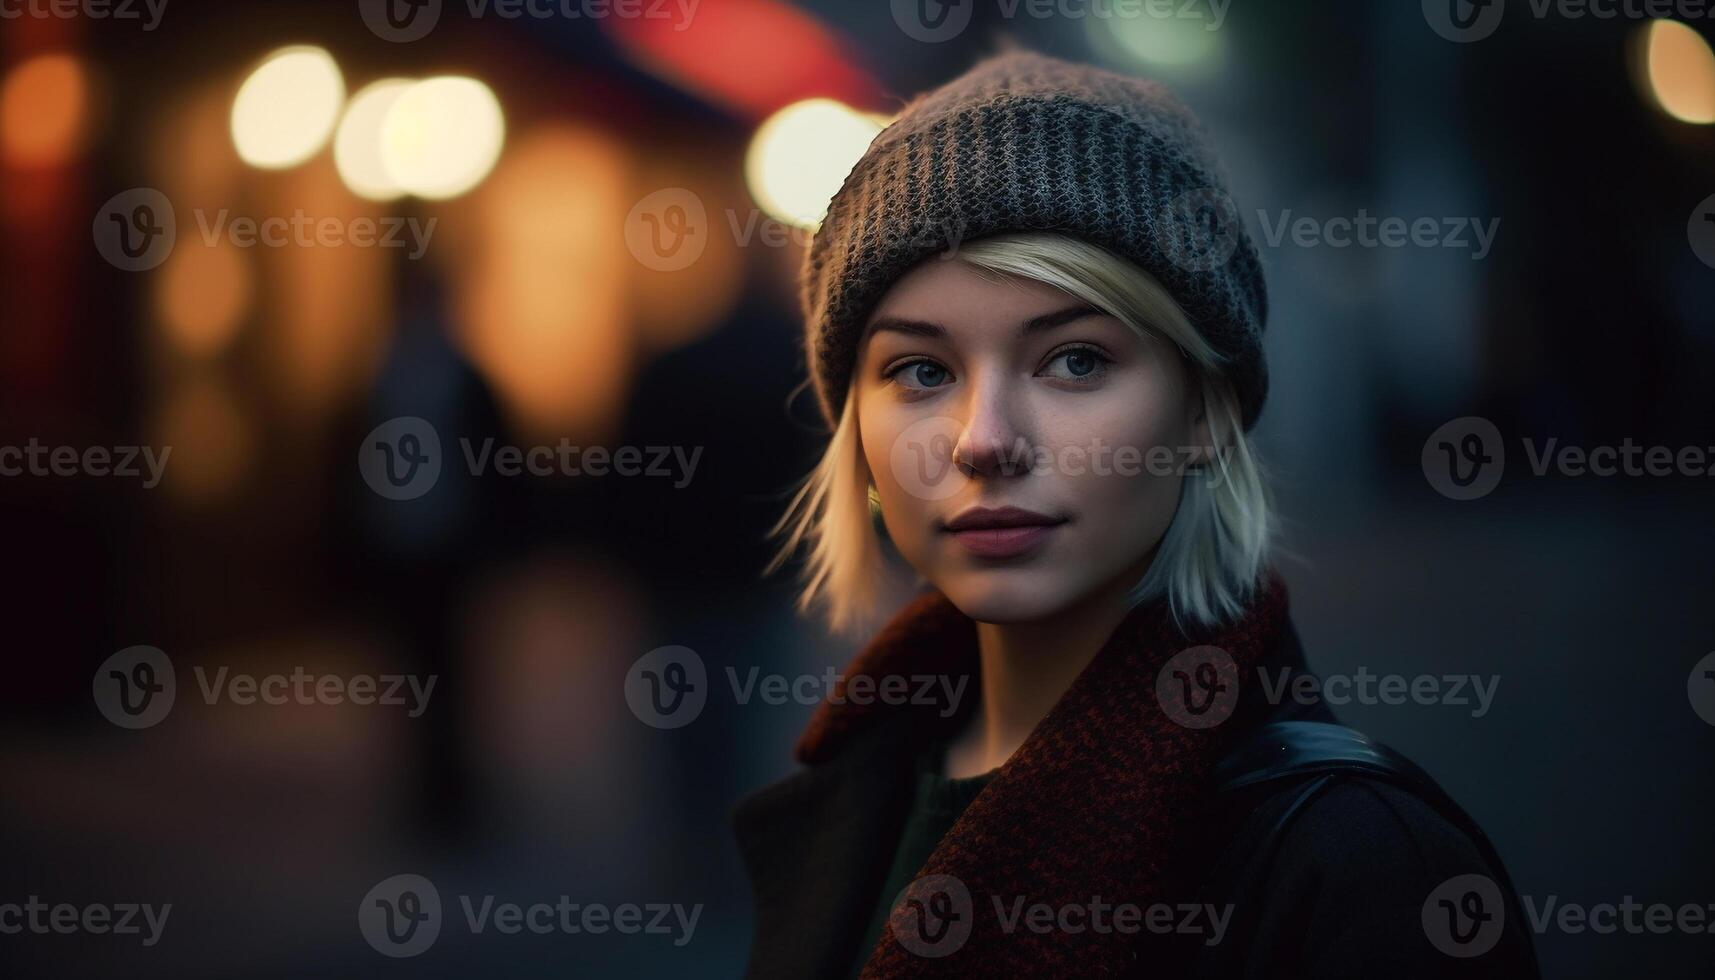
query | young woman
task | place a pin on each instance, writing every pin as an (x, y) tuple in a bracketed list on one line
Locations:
[(1040, 357)]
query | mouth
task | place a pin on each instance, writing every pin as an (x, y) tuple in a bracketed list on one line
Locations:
[(1005, 532)]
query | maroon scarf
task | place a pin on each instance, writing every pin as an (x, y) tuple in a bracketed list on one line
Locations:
[(1100, 803)]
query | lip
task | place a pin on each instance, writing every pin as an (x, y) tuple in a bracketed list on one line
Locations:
[(1004, 532)]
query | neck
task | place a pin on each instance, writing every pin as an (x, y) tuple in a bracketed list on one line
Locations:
[(1026, 667)]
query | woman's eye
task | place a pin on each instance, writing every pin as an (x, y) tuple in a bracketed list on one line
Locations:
[(1077, 364), (921, 374)]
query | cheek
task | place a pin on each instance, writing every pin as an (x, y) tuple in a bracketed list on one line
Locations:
[(1133, 449), (904, 514)]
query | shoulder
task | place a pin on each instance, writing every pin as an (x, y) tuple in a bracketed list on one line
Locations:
[(1354, 885), (1358, 820), (1350, 861)]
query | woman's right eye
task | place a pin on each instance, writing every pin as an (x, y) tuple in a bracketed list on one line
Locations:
[(920, 375)]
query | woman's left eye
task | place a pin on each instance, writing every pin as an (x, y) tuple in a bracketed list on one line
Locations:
[(1081, 364)]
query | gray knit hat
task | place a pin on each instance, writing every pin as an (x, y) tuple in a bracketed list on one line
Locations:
[(1024, 142)]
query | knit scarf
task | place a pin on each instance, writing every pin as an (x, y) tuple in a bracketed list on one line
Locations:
[(1100, 807)]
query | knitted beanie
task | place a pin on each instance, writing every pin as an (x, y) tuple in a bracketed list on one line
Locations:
[(1025, 142)]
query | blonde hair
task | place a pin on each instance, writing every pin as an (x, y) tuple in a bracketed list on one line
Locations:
[(1215, 550)]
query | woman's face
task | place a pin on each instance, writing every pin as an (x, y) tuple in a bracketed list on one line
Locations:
[(1028, 449)]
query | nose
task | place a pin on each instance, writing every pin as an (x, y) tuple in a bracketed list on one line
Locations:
[(992, 442)]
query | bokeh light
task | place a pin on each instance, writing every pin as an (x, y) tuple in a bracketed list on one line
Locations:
[(357, 143), (212, 435), (44, 111), (286, 110), (326, 328), (1150, 41), (801, 155), (542, 298), (202, 296), (1679, 71), (442, 136)]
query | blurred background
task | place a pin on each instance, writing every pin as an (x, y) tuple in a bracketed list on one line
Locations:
[(555, 155)]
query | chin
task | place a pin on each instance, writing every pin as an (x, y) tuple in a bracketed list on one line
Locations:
[(1003, 595)]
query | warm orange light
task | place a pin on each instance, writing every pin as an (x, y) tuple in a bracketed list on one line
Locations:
[(542, 296), (44, 109), (680, 303), (203, 294), (212, 437), (1680, 70), (325, 331)]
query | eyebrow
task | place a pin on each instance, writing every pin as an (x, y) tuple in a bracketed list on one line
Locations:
[(1036, 324)]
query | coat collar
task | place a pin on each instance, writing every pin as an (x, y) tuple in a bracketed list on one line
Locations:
[(1102, 803)]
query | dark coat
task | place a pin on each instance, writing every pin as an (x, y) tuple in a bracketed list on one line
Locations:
[(1326, 871)]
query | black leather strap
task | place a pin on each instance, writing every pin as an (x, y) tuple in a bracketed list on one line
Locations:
[(1293, 749)]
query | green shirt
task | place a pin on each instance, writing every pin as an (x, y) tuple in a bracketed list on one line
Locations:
[(935, 807)]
